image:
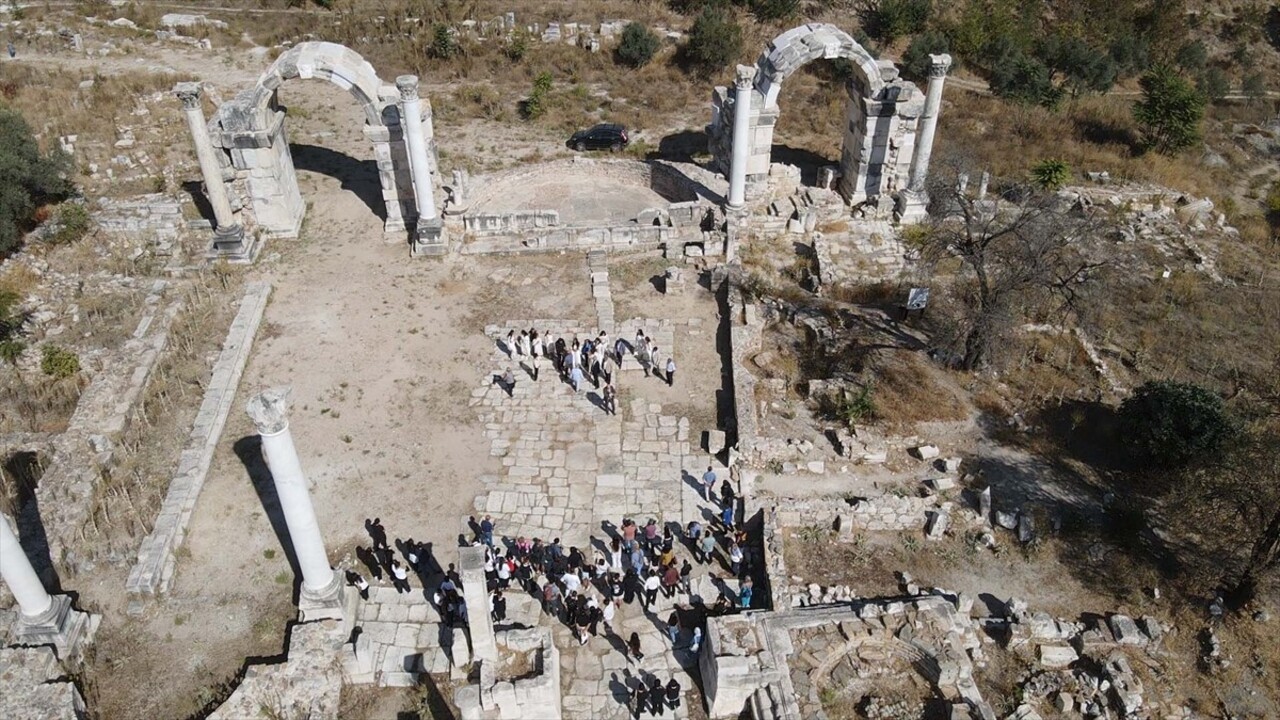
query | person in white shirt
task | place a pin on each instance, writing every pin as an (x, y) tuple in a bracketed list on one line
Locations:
[(671, 372)]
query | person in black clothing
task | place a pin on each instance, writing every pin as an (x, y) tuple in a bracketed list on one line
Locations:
[(657, 696), (639, 700), (377, 533), (538, 555), (673, 693), (575, 558), (726, 493), (633, 646), (499, 607)]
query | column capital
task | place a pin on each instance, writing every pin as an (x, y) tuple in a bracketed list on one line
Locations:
[(744, 76), (189, 94), (939, 65), (408, 87), (269, 410)]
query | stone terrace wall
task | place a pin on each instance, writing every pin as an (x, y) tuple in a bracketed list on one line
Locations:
[(307, 685), (154, 569), (501, 223), (887, 512), (744, 336), (630, 237), (81, 454)]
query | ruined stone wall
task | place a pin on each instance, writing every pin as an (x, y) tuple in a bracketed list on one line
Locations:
[(154, 568), (745, 330), (513, 222), (630, 237)]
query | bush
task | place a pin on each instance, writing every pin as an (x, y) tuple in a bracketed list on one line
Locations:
[(536, 105), (517, 46), (70, 223), (443, 46), (889, 20), (1168, 424), (638, 46), (1169, 112), (915, 61), (10, 326), (775, 9), (1051, 174), (715, 40), (1024, 79), (28, 178), (59, 362), (1213, 84)]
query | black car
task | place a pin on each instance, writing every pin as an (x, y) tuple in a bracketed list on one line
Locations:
[(601, 137)]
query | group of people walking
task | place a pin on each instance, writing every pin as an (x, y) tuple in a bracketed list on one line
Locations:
[(595, 360)]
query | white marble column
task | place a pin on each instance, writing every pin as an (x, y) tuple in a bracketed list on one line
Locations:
[(226, 231), (938, 67), (411, 121), (321, 594), (743, 80), (475, 591), (43, 619), (15, 568)]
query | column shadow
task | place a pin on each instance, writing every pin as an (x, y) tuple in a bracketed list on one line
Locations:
[(249, 450)]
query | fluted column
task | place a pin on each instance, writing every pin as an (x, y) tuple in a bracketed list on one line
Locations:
[(411, 121), (742, 86), (33, 600), (321, 586), (224, 218), (919, 173)]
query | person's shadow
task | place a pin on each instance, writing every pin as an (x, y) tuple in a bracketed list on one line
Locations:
[(595, 399), (370, 561), (505, 349)]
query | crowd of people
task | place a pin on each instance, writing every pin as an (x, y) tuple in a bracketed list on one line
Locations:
[(595, 360)]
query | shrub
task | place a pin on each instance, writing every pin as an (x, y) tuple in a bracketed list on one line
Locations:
[(1192, 57), (915, 60), (10, 325), (517, 46), (889, 20), (638, 46), (536, 104), (715, 39), (443, 46), (1213, 84), (70, 223), (1168, 424), (1169, 112), (29, 178), (1051, 174), (1254, 86), (1024, 79), (775, 9), (59, 362)]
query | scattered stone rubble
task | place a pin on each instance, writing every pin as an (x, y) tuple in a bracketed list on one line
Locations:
[(36, 687)]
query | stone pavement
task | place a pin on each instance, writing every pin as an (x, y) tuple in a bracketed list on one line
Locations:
[(568, 466)]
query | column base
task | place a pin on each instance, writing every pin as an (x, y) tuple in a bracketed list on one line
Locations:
[(232, 244), (429, 238), (328, 603), (912, 207), (68, 630)]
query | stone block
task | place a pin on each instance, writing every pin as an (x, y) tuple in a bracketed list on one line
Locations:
[(1126, 630), (926, 452), (1057, 656)]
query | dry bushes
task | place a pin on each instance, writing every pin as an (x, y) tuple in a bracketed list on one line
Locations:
[(126, 502)]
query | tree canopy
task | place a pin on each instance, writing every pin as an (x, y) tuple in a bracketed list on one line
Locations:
[(28, 178)]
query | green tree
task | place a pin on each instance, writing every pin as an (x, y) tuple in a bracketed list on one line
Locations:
[(10, 327), (536, 104), (28, 178), (1024, 79), (773, 9), (638, 46), (443, 46), (1170, 111), (1168, 424), (715, 40), (1213, 84), (1192, 57), (915, 60), (1254, 86), (888, 20), (1051, 174), (1081, 68)]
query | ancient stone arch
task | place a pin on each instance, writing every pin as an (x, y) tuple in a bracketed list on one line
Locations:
[(257, 167), (880, 120)]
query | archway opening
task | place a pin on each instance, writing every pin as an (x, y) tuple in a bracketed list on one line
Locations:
[(333, 157), (813, 113)]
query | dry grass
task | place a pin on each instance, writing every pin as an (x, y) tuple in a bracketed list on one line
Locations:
[(126, 502)]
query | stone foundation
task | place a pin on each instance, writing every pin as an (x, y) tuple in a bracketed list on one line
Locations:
[(533, 696)]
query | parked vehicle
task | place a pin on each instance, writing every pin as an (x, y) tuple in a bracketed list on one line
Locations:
[(601, 137)]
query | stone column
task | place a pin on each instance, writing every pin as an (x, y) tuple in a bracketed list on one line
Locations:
[(476, 592), (742, 85), (322, 589), (914, 201), (43, 619), (429, 223), (228, 236)]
